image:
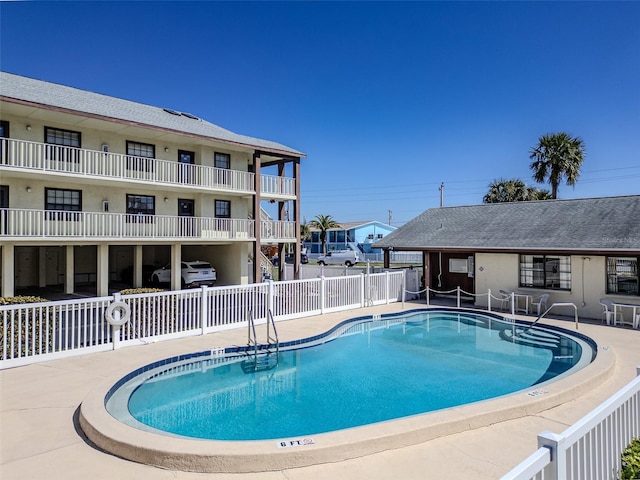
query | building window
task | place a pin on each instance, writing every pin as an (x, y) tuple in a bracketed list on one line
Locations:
[(223, 209), (141, 208), (622, 275), (140, 156), (63, 139), (222, 160), (551, 272), (62, 200)]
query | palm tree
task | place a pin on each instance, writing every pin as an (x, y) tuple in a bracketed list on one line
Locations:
[(557, 156), (323, 223), (513, 190)]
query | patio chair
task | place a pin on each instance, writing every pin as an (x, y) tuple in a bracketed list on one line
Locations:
[(539, 301), (607, 310), (506, 297)]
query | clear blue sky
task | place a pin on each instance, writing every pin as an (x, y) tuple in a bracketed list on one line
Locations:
[(387, 99)]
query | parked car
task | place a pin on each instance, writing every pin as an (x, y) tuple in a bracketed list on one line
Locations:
[(288, 258), (339, 257), (194, 273)]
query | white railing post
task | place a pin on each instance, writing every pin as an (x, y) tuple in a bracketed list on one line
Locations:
[(270, 295), (458, 296), (513, 303), (203, 309), (322, 290), (426, 294), (362, 290), (115, 329), (386, 277), (404, 287), (555, 443), (489, 300)]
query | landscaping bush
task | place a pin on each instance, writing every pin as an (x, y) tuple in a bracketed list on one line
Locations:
[(150, 316), (35, 325), (631, 461)]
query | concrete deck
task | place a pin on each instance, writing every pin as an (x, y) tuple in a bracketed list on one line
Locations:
[(40, 437)]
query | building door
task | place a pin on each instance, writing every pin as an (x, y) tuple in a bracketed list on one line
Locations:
[(186, 212), (185, 169), (452, 270), (4, 215), (4, 133)]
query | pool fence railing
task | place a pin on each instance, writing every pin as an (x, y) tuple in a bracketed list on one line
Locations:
[(591, 448), (35, 332)]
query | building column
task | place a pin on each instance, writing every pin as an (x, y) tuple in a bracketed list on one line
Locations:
[(137, 266), (102, 274), (69, 272), (176, 266), (296, 217), (426, 266), (8, 270), (257, 271), (385, 251)]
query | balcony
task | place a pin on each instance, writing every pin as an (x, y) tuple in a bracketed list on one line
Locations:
[(81, 163), (19, 224)]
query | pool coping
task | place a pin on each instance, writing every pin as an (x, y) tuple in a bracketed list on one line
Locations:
[(268, 455)]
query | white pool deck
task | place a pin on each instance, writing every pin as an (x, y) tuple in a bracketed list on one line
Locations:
[(40, 438)]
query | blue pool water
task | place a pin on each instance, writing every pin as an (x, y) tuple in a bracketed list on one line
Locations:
[(378, 370)]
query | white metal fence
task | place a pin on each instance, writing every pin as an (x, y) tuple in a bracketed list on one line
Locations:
[(42, 331), (591, 448)]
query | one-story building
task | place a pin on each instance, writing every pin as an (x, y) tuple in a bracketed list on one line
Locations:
[(577, 251)]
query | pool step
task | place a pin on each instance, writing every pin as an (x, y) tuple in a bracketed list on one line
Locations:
[(263, 361), (532, 338)]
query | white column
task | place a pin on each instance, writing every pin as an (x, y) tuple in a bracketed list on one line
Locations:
[(102, 279), (137, 266), (176, 268), (69, 271), (8, 271)]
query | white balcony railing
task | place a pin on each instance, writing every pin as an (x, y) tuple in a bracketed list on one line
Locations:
[(23, 223), (117, 166), (276, 230)]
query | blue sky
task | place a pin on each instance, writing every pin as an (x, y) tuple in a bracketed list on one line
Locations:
[(387, 99)]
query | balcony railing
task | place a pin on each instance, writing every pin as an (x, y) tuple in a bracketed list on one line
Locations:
[(22, 223), (117, 166), (275, 230)]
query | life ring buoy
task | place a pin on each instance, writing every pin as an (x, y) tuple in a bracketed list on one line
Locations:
[(125, 313)]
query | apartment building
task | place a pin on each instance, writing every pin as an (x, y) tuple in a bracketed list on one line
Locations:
[(97, 190)]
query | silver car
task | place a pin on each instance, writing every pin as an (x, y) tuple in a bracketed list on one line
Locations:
[(194, 274)]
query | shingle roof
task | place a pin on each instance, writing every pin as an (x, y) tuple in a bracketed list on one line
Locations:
[(609, 223), (82, 101)]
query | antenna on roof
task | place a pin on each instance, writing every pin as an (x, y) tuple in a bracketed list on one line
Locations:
[(442, 194)]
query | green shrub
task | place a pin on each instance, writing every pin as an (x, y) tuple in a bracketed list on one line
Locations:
[(30, 325), (150, 316), (631, 461)]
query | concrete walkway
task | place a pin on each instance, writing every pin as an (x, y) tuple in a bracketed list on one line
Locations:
[(40, 439)]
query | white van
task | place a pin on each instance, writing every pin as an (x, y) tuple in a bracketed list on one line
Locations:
[(339, 257)]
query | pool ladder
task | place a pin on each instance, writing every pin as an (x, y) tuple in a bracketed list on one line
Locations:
[(262, 357)]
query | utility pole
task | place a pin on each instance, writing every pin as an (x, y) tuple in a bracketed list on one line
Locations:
[(390, 216), (442, 194)]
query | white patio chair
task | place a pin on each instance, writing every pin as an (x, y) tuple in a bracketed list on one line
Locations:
[(539, 301), (506, 297), (607, 310)]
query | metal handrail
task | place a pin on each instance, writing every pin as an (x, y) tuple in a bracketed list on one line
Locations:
[(271, 321), (561, 304), (252, 341)]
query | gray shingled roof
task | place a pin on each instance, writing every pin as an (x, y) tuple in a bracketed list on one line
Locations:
[(61, 96), (589, 224)]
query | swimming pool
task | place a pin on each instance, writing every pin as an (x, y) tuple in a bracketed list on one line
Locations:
[(363, 371), (145, 444)]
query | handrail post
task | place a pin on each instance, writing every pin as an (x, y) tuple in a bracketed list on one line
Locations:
[(555, 443), (203, 309)]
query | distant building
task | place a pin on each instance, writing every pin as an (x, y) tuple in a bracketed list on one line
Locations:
[(362, 234)]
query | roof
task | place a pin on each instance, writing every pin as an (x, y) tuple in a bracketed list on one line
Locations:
[(81, 101), (589, 224), (350, 225)]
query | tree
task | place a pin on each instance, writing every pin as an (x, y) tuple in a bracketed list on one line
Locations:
[(323, 223), (513, 190), (557, 156)]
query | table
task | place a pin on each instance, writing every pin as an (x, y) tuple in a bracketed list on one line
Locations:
[(635, 317), (527, 300)]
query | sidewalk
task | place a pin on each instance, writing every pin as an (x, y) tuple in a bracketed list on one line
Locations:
[(39, 437)]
